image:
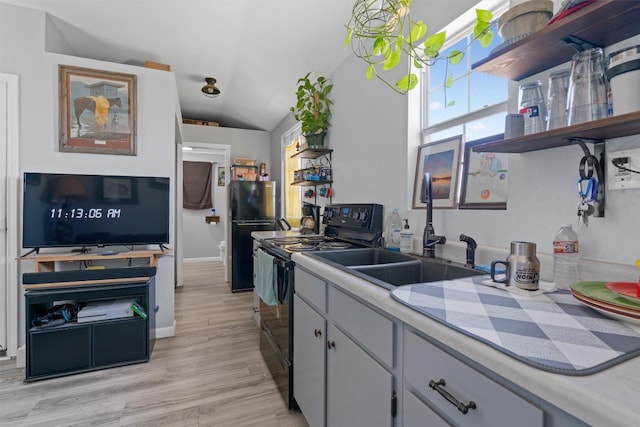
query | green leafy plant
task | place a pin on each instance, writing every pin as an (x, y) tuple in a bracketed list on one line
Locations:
[(313, 107), (381, 33)]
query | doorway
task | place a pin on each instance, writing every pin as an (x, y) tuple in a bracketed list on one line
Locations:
[(220, 155)]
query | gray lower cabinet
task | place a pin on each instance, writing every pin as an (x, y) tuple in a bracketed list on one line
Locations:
[(487, 403), (309, 345), (359, 390), (341, 377)]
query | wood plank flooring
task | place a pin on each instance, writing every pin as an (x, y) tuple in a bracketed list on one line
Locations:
[(210, 374)]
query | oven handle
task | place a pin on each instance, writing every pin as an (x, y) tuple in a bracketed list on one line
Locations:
[(277, 259)]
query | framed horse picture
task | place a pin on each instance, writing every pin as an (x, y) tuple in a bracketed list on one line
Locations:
[(97, 111)]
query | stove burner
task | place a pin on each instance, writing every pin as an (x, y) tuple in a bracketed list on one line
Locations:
[(285, 240), (300, 247), (315, 239), (333, 245)]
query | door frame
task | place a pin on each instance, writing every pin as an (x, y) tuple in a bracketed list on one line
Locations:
[(203, 147), (12, 180)]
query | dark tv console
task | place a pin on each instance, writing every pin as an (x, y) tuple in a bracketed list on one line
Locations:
[(74, 347)]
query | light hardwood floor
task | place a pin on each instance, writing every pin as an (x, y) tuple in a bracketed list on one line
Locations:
[(210, 374)]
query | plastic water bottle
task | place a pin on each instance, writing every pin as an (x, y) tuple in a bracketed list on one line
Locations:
[(393, 227), (566, 257)]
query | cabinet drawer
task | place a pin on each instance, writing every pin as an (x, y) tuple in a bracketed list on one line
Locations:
[(416, 413), (311, 288), (495, 405), (370, 328)]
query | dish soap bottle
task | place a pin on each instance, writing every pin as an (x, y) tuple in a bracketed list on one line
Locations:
[(406, 238), (392, 231)]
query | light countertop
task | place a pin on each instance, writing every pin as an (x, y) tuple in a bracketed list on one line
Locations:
[(605, 398)]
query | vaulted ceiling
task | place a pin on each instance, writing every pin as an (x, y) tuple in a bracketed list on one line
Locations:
[(255, 49)]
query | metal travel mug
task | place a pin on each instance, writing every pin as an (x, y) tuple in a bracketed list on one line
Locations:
[(522, 267)]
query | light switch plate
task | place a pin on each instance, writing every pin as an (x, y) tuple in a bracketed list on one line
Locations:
[(619, 179)]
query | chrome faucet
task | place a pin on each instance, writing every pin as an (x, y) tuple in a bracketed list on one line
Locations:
[(471, 250), (429, 238)]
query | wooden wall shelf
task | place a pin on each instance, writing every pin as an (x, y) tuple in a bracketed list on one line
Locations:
[(311, 153), (611, 127), (602, 23)]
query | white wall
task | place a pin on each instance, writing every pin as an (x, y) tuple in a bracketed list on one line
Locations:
[(372, 164), (22, 52)]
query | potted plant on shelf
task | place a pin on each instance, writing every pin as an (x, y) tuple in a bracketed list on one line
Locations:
[(313, 108)]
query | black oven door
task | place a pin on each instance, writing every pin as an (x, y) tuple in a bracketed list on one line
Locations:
[(276, 330)]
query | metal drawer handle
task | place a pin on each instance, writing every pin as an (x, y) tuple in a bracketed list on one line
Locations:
[(331, 344), (437, 386), (317, 332)]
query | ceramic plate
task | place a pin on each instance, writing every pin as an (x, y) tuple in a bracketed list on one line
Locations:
[(627, 290), (609, 307), (597, 291), (612, 314)]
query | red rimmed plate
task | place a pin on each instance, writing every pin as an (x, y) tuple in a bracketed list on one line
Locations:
[(609, 312), (627, 290), (599, 305)]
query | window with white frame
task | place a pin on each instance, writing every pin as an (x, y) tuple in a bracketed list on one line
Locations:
[(476, 104), (291, 194)]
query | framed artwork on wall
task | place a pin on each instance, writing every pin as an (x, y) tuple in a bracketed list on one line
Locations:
[(484, 177), (441, 159), (97, 111), (221, 176)]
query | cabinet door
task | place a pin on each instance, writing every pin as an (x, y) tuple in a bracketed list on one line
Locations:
[(309, 362), (359, 390), (58, 350)]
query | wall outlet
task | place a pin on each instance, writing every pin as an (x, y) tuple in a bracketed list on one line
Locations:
[(620, 179)]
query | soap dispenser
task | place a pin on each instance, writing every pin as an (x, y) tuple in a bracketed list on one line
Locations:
[(406, 238)]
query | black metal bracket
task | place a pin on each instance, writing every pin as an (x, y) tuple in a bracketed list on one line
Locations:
[(591, 163), (578, 44)]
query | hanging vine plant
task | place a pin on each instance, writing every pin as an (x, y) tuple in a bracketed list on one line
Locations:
[(381, 33)]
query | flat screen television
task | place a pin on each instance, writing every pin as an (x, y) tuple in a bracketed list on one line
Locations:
[(94, 210)]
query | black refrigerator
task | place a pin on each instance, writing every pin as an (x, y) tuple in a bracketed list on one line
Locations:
[(252, 207)]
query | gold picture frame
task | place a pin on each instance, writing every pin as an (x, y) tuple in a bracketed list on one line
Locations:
[(97, 111), (442, 160)]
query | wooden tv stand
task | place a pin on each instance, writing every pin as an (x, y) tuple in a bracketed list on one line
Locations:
[(47, 261), (74, 347)]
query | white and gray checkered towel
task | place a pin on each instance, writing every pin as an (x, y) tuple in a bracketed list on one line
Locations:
[(551, 331)]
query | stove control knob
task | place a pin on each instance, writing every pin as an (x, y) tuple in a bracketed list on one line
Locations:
[(363, 216), (356, 216)]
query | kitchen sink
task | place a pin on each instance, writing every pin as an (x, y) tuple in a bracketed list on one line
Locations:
[(391, 269), (425, 270), (363, 257)]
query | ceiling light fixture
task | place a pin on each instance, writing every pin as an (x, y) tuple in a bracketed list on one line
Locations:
[(210, 88)]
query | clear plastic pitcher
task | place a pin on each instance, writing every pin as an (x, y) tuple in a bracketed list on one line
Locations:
[(587, 96)]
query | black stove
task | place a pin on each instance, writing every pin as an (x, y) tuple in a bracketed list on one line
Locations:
[(346, 226)]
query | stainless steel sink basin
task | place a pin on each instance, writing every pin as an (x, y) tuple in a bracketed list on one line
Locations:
[(391, 269), (362, 256), (426, 270)]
